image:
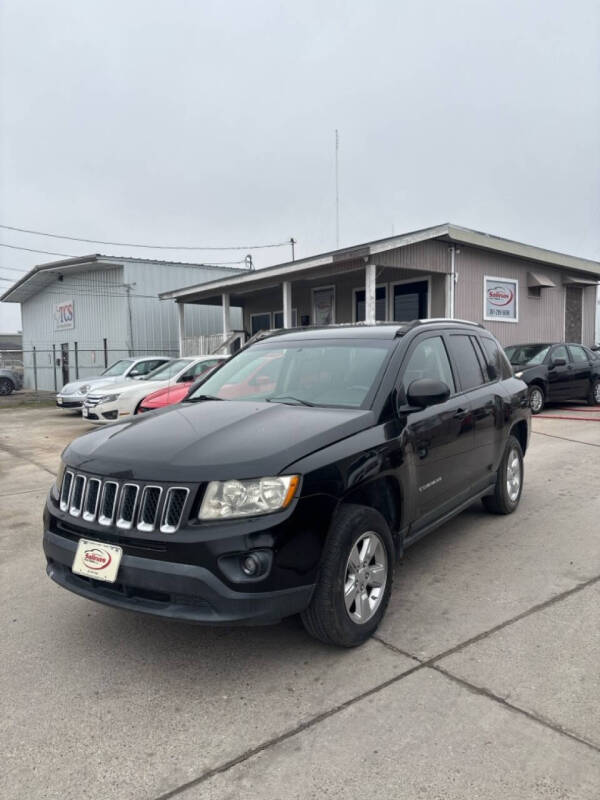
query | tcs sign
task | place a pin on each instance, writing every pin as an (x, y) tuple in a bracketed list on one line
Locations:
[(64, 315)]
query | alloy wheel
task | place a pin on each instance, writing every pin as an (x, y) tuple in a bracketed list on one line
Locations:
[(366, 577), (513, 475), (536, 400)]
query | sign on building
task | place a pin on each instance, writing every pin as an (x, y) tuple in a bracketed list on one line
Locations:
[(500, 299), (64, 315)]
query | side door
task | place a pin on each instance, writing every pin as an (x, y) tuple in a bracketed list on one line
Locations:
[(439, 437), (559, 377), (582, 372), (485, 401)]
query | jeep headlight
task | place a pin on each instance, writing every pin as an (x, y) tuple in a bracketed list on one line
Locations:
[(247, 498)]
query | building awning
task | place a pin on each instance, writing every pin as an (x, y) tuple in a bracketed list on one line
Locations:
[(576, 281), (535, 279)]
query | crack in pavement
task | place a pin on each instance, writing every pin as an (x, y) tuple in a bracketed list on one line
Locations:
[(13, 451), (421, 665), (565, 439)]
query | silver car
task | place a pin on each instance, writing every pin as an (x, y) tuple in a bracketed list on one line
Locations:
[(72, 395), (9, 381)]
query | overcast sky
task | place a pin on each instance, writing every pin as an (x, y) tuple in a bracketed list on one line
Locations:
[(212, 123)]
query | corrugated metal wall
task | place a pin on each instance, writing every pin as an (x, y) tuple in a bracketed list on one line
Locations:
[(155, 323), (540, 319), (99, 312)]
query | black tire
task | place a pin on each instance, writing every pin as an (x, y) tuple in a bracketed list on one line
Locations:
[(537, 399), (501, 501), (594, 395), (327, 617), (6, 386)]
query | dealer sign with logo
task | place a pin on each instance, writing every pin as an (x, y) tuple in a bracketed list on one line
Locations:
[(500, 299), (64, 315)]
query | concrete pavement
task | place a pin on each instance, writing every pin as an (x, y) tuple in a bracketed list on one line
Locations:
[(482, 680)]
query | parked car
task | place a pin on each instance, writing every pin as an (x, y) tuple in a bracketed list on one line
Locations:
[(106, 404), (299, 496), (556, 372), (73, 394), (175, 393), (9, 381)]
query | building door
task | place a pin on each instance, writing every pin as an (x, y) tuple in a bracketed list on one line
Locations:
[(410, 301), (64, 359), (573, 314)]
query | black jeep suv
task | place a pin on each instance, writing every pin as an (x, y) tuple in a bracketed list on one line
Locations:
[(292, 477)]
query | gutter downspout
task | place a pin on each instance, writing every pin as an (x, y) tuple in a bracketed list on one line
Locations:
[(452, 280)]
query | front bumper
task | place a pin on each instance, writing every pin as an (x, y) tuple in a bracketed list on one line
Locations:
[(171, 589), (69, 401), (100, 413)]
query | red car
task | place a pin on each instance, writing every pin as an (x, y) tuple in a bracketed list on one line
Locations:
[(169, 395)]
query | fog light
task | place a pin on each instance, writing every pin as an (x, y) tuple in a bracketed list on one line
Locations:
[(251, 566)]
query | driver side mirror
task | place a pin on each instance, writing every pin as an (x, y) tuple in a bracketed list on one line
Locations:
[(426, 392), (558, 362)]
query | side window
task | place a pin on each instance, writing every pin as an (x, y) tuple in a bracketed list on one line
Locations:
[(578, 354), (429, 360), (466, 361), (496, 357), (560, 352)]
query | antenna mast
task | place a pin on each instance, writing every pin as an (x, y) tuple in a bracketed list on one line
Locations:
[(337, 190)]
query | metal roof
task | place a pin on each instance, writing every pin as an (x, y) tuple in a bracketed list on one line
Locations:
[(446, 232), (43, 275)]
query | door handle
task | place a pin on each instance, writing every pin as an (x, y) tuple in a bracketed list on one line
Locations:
[(461, 413)]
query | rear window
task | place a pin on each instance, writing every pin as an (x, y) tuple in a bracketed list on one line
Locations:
[(496, 357), (466, 361)]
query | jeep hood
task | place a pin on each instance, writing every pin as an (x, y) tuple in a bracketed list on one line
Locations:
[(212, 440)]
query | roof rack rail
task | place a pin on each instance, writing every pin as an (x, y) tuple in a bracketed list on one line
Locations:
[(417, 322)]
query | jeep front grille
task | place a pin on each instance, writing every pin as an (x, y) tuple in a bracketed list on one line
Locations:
[(125, 505)]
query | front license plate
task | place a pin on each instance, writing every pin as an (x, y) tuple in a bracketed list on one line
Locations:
[(97, 560), (84, 412), (59, 401)]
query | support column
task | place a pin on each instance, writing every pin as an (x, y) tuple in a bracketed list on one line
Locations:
[(370, 307), (226, 315), (287, 304), (181, 315)]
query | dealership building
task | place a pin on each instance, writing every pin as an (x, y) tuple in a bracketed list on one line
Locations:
[(520, 292), (81, 314)]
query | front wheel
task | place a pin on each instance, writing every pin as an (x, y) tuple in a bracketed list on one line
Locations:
[(509, 480), (536, 399), (355, 579), (594, 398), (6, 386)]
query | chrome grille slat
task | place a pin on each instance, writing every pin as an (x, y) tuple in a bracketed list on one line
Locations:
[(149, 506), (175, 501), (92, 496), (77, 495), (127, 504), (108, 502), (65, 491)]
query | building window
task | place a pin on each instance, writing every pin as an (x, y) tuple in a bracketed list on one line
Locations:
[(324, 305), (260, 322), (534, 291), (278, 318), (410, 301), (380, 304)]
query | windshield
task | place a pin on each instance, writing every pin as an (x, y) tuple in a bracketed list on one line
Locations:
[(118, 368), (307, 373), (167, 371), (527, 353)]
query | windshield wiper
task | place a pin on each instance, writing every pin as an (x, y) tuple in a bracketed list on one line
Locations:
[(199, 398), (288, 399)]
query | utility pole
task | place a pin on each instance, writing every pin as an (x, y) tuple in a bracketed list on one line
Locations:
[(292, 243), (337, 190), (130, 320)]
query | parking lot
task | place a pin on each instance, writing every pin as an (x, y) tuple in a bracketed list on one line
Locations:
[(483, 680)]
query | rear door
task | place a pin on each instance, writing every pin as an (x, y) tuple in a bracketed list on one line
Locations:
[(440, 437), (485, 401), (582, 372), (559, 378)]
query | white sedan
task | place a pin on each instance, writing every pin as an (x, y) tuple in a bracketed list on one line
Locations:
[(120, 401)]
